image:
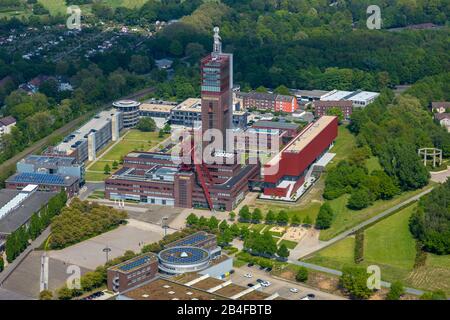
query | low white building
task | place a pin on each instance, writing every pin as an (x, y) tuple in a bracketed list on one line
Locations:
[(359, 98)]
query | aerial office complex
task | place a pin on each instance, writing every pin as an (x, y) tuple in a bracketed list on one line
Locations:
[(158, 178), (129, 110)]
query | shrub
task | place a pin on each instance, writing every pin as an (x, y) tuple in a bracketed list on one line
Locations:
[(359, 247), (45, 295), (396, 291), (302, 274), (354, 281), (325, 217)]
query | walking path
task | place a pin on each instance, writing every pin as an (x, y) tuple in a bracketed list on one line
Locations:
[(339, 273), (302, 251)]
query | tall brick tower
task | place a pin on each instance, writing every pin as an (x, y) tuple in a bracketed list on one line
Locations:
[(216, 89)]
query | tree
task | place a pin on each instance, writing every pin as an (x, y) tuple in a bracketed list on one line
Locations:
[(223, 226), (115, 165), (359, 199), (296, 220), (270, 217), (35, 228), (283, 251), (354, 280), (307, 221), (261, 89), (146, 124), (435, 295), (335, 111), (325, 217), (283, 90), (302, 274), (65, 293), (235, 230), (396, 291), (203, 222), (2, 264), (244, 214), (139, 64), (257, 215), (213, 223), (107, 169), (430, 221), (192, 220), (232, 215), (45, 295), (283, 217)]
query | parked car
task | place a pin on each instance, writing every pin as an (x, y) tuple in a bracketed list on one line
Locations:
[(265, 283), (248, 275), (293, 290), (268, 269), (251, 264), (259, 280), (311, 295), (261, 268), (250, 285)]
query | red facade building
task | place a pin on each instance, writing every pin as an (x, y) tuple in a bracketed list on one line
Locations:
[(286, 172)]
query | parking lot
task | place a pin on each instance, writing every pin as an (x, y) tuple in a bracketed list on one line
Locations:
[(89, 254), (277, 285)]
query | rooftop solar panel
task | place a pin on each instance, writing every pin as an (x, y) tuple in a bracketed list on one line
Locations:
[(134, 264), (38, 178), (183, 255), (196, 238)]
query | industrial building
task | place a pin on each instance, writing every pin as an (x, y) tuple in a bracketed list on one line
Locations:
[(132, 273), (129, 110), (285, 173), (359, 98), (156, 109), (45, 182), (64, 166), (84, 143), (17, 207)]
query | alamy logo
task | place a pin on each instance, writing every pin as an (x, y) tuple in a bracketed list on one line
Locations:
[(374, 20), (73, 281), (374, 280), (74, 20)]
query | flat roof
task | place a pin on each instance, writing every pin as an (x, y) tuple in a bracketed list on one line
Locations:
[(191, 240), (310, 93), (49, 161), (156, 107), (276, 125), (363, 96), (164, 289), (190, 104), (42, 178), (336, 95), (309, 134), (96, 123), (135, 263), (16, 218)]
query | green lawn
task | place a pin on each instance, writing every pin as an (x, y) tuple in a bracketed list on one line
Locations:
[(344, 144), (94, 176), (373, 164), (100, 165), (337, 255), (55, 6), (289, 244), (125, 3), (133, 141), (346, 218), (390, 245)]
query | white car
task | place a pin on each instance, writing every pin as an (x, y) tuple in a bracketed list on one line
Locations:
[(293, 290), (265, 283), (248, 275)]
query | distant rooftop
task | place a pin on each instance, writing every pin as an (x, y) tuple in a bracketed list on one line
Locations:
[(95, 124), (309, 134), (135, 263), (276, 125), (190, 104), (42, 178), (191, 240), (159, 107), (6, 121), (49, 161)]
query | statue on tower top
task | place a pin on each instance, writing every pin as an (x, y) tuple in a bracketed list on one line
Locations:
[(217, 41)]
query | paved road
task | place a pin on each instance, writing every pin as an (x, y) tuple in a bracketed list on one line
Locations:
[(12, 266), (440, 176), (278, 285), (297, 254), (339, 273), (89, 188)]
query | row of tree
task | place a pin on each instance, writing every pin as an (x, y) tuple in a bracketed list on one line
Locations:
[(83, 220), (281, 218), (18, 241)]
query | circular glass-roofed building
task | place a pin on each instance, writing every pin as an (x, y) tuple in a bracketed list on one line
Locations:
[(178, 260), (130, 111)]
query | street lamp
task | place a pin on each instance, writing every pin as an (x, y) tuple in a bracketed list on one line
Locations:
[(107, 250), (164, 225)]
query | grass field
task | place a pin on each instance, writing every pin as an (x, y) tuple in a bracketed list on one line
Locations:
[(132, 141), (390, 245), (125, 3), (346, 218), (56, 7), (289, 244), (344, 144)]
